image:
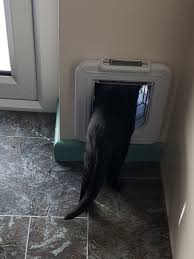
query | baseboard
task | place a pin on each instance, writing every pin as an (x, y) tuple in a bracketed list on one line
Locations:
[(73, 150)]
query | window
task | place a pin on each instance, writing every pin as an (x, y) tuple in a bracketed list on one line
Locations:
[(143, 103), (5, 67), (29, 47)]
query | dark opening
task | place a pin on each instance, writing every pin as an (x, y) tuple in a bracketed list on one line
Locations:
[(5, 73), (143, 101)]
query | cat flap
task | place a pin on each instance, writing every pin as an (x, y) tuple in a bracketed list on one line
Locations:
[(126, 91), (152, 97)]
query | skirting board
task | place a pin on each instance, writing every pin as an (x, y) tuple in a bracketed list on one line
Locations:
[(73, 150)]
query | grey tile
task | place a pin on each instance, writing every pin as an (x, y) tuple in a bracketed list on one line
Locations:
[(31, 182), (55, 238), (130, 224), (145, 170), (27, 124), (13, 237)]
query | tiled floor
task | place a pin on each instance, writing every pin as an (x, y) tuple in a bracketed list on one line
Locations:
[(36, 192)]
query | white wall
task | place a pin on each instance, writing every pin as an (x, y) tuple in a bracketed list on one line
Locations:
[(153, 29), (178, 166), (157, 30)]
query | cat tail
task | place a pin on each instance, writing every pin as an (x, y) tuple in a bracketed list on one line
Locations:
[(93, 188)]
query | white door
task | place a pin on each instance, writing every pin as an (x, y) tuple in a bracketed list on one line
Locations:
[(21, 83), (29, 55)]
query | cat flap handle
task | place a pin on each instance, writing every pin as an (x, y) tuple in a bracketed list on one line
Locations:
[(125, 65)]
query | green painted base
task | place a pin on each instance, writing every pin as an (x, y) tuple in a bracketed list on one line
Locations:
[(73, 150)]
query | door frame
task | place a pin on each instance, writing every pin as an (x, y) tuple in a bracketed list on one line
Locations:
[(46, 41), (21, 83)]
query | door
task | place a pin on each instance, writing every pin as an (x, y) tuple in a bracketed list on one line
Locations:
[(18, 70), (29, 56)]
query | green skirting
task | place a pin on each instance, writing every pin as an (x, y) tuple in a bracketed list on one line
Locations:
[(73, 150)]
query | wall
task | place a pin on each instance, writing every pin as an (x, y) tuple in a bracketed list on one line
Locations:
[(158, 30), (178, 165), (150, 29)]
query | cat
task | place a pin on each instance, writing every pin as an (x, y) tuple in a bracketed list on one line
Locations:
[(111, 126)]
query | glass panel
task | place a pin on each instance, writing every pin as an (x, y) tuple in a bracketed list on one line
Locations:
[(4, 51), (143, 105)]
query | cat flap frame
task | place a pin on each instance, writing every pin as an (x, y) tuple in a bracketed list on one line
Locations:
[(157, 78)]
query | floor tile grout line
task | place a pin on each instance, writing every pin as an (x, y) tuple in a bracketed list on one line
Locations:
[(87, 246), (36, 216), (29, 225), (40, 137)]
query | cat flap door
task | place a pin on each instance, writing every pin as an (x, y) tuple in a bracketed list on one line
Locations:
[(153, 79), (143, 101)]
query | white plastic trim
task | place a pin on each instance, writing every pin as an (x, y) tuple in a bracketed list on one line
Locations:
[(46, 40), (88, 71), (21, 47), (20, 105), (46, 33)]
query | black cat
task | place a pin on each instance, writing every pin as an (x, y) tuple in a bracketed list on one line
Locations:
[(109, 132)]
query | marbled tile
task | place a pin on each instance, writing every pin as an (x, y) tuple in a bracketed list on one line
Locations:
[(31, 182), (56, 238), (27, 124), (146, 170), (130, 224), (13, 237)]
